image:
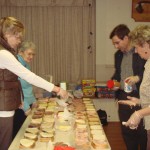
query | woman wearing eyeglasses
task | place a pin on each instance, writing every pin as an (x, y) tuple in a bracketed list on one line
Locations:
[(11, 34)]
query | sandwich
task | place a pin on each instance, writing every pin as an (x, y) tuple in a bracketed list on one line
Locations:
[(91, 112), (98, 144), (52, 103), (80, 121), (86, 99), (64, 128), (90, 108), (94, 123), (42, 100), (97, 131), (46, 125), (48, 119), (30, 136), (32, 130), (36, 121), (45, 137), (95, 127), (48, 130), (90, 119), (49, 111), (27, 143), (39, 112), (37, 116)]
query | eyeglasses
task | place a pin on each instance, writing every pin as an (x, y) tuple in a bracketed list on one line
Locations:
[(18, 37)]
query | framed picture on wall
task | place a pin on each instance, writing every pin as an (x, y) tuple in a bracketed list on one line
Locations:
[(141, 10)]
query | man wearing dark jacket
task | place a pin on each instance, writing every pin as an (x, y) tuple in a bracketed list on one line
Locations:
[(128, 65)]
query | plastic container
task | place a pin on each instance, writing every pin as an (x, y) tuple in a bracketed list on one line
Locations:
[(127, 88)]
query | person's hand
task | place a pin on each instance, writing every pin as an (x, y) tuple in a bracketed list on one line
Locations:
[(64, 94), (21, 105), (133, 121), (132, 101), (132, 80), (127, 102)]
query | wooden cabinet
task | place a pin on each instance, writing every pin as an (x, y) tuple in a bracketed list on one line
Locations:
[(110, 106)]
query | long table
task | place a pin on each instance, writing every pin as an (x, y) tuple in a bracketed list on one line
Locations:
[(41, 145)]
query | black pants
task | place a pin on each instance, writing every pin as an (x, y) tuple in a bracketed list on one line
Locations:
[(19, 119), (6, 128), (133, 138)]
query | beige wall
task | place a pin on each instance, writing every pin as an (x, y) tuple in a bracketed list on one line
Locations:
[(110, 13)]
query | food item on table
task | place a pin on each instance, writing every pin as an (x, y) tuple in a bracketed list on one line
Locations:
[(26, 143), (81, 126), (48, 119), (42, 105), (36, 121), (43, 100), (64, 127), (31, 125), (97, 144), (82, 143), (46, 125), (92, 115), (45, 137), (49, 111), (32, 130), (97, 132), (52, 99), (48, 130), (80, 121), (52, 103), (38, 112), (94, 123), (93, 119), (37, 116), (41, 109), (95, 127), (31, 136), (91, 112), (62, 146)]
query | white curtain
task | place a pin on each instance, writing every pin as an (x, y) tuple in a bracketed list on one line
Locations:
[(64, 34)]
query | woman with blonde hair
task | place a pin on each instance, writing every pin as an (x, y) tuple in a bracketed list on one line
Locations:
[(140, 38), (11, 34)]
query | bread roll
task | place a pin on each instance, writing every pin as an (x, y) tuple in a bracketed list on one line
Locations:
[(26, 143), (31, 136), (45, 137), (32, 130)]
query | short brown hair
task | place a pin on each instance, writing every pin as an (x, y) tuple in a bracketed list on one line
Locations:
[(120, 30)]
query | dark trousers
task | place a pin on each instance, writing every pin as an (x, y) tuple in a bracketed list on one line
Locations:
[(19, 119), (133, 138), (6, 127)]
